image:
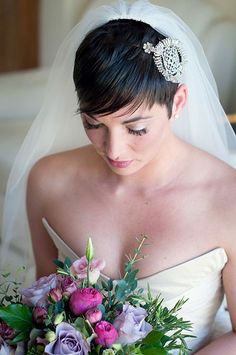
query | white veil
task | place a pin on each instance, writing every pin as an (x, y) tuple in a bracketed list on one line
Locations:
[(57, 128)]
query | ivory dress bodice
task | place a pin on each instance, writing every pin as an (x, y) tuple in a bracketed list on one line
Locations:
[(199, 280)]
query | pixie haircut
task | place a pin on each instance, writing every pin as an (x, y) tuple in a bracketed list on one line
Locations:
[(112, 71)]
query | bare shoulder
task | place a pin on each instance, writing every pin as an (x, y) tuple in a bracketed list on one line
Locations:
[(52, 173), (221, 190)]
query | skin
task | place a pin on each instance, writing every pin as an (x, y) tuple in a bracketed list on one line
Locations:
[(168, 188)]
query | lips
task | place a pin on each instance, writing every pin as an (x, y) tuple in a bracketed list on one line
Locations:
[(119, 163)]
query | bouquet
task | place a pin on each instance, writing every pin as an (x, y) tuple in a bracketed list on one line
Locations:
[(76, 311)]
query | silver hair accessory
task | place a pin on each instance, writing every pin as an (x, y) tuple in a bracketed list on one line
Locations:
[(169, 58)]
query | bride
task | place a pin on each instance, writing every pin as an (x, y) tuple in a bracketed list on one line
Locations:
[(160, 162)]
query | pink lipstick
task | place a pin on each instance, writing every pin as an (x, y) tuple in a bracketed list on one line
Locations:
[(119, 163)]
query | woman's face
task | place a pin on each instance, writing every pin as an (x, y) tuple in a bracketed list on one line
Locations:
[(129, 141)]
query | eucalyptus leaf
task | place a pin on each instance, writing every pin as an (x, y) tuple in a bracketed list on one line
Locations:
[(67, 263)]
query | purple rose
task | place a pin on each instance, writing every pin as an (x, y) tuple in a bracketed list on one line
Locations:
[(83, 299), (68, 341), (131, 325), (37, 294), (106, 333)]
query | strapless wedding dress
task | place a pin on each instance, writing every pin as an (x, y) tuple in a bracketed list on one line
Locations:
[(198, 280)]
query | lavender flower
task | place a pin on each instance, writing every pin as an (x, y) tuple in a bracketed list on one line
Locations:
[(68, 341), (37, 294), (131, 325)]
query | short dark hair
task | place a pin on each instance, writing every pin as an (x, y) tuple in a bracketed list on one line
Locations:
[(112, 71)]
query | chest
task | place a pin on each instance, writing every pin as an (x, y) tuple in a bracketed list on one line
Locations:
[(176, 224)]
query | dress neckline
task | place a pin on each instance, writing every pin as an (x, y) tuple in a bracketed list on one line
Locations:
[(196, 259)]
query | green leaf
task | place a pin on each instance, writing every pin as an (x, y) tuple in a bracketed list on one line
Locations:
[(101, 307), (81, 325), (155, 350), (122, 284), (58, 263), (67, 263), (6, 275), (22, 336), (153, 337), (110, 284), (17, 316)]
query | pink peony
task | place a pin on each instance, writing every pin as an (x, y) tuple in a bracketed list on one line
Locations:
[(37, 294), (106, 334), (93, 315), (83, 299), (80, 266)]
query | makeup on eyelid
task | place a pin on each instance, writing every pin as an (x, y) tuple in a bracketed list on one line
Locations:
[(135, 131)]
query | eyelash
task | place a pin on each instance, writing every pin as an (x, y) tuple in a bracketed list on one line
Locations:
[(140, 132)]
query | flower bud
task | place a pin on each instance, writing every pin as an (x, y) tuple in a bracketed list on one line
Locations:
[(106, 334), (68, 285), (93, 315), (89, 250), (55, 295), (108, 352), (59, 318), (39, 314), (50, 336)]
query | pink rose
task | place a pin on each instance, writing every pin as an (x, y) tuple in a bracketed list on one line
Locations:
[(93, 315), (68, 285), (106, 334), (80, 266), (37, 294), (6, 332), (39, 314), (55, 295), (83, 299)]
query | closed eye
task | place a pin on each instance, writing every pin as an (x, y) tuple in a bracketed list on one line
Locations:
[(137, 132), (88, 125)]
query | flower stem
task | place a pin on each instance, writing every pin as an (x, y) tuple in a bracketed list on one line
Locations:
[(135, 257)]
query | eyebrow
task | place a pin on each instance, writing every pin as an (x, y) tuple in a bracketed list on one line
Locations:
[(131, 120), (138, 118)]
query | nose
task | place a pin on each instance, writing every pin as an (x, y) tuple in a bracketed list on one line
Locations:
[(114, 144)]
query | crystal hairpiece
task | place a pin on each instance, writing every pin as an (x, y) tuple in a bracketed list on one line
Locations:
[(169, 58)]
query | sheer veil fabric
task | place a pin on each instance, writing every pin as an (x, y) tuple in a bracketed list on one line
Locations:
[(57, 126)]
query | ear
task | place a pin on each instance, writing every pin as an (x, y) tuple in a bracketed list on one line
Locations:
[(180, 100)]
